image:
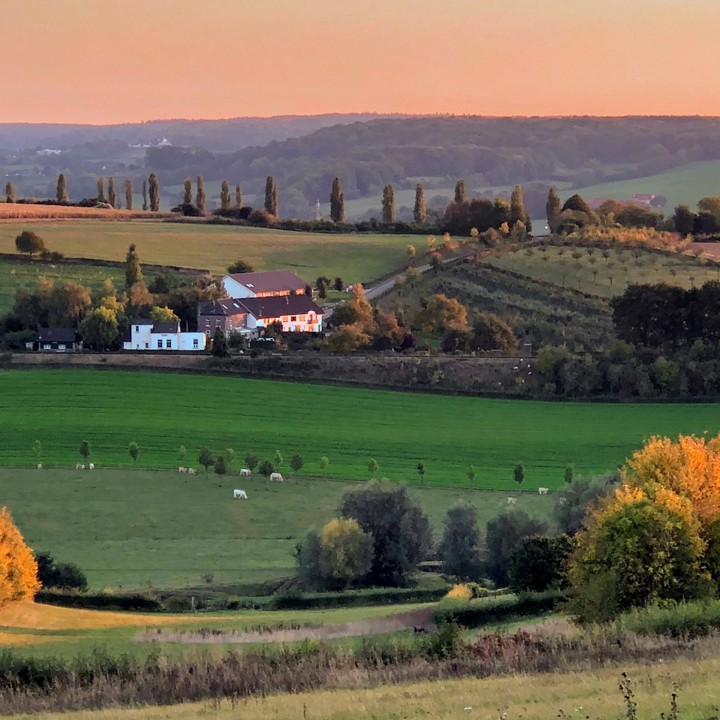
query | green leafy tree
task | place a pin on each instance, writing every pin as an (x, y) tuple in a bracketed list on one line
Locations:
[(162, 313), (420, 467), (271, 196), (61, 576), (572, 503), (297, 462), (187, 192), (144, 195), (552, 210), (220, 344), (206, 458), (251, 461), (278, 460), (99, 328), (37, 450), (399, 528), (345, 553), (419, 211), (220, 465), (518, 214), (101, 190), (224, 195), (459, 548), (29, 242), (238, 196), (134, 451), (240, 266), (471, 475), (266, 468), (61, 194), (182, 453), (154, 192), (324, 462), (84, 450), (337, 202), (200, 199), (569, 474), (338, 284), (460, 193), (539, 564), (128, 194), (519, 474), (491, 332), (133, 270), (111, 191), (388, 205), (684, 220), (503, 536), (9, 192), (373, 467)]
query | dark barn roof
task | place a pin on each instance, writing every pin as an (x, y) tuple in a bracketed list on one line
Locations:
[(269, 307), (226, 306), (166, 326), (271, 281), (63, 335)]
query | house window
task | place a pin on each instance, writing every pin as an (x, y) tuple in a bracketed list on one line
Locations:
[(168, 344), (293, 318), (196, 344), (159, 344), (147, 346), (137, 328)]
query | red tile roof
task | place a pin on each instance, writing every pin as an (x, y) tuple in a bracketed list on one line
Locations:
[(271, 281)]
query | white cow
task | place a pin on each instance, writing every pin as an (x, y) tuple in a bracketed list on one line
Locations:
[(543, 491), (191, 471), (562, 501), (239, 495), (512, 501), (244, 472), (91, 466), (276, 477), (78, 466), (39, 467)]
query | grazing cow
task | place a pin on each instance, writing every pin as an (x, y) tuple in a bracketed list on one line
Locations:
[(276, 477), (562, 501), (182, 469), (239, 495), (78, 466), (39, 466), (512, 501), (191, 471), (91, 466), (543, 491), (244, 472)]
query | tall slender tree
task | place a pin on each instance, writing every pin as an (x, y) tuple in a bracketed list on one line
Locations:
[(419, 212), (388, 204), (61, 194), (101, 189), (144, 195), (517, 207), (154, 190), (553, 210), (238, 196), (133, 270), (187, 195), (111, 191), (271, 196), (337, 202), (224, 195), (460, 193), (200, 197), (128, 194), (9, 192)]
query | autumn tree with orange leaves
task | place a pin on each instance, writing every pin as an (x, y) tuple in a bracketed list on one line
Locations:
[(18, 567), (657, 539)]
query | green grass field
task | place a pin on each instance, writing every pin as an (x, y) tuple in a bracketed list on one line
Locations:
[(355, 258), (348, 425), (587, 269)]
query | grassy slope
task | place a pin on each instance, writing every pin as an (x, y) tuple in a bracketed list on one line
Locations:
[(356, 258), (579, 694), (161, 411), (613, 274), (128, 527)]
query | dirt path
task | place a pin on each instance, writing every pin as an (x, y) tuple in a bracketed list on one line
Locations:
[(394, 623)]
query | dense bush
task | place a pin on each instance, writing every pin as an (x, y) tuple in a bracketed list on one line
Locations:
[(62, 576), (100, 601), (684, 620), (540, 563)]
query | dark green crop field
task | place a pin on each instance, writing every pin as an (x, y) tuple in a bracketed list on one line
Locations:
[(160, 412)]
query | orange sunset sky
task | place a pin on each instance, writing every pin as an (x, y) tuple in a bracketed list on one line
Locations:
[(89, 62)]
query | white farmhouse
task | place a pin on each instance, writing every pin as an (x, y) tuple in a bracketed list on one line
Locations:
[(151, 335)]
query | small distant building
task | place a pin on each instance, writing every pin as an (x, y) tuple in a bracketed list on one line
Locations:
[(644, 199), (150, 335), (58, 340), (263, 284), (596, 202), (227, 314)]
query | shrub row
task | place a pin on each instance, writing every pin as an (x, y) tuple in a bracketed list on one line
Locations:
[(355, 598), (483, 611), (100, 601), (684, 620)]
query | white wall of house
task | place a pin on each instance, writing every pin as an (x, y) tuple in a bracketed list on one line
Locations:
[(143, 338), (164, 341), (192, 341), (234, 289), (139, 338)]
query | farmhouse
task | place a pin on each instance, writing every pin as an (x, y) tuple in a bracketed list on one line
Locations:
[(151, 335), (58, 340), (296, 313), (263, 284)]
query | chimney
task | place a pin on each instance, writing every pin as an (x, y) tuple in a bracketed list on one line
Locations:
[(287, 300)]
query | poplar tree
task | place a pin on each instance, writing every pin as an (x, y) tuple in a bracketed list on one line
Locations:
[(154, 190), (224, 195), (61, 191), (187, 196), (388, 205), (9, 192), (419, 213), (460, 193), (337, 202), (111, 191), (517, 207), (133, 271), (238, 196), (553, 210), (101, 189), (128, 194), (200, 197), (271, 199), (144, 195)]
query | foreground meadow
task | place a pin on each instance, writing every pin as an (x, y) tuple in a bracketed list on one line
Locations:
[(355, 258)]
